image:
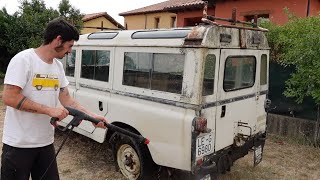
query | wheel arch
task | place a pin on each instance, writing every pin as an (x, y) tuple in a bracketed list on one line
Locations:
[(149, 167), (110, 133), (121, 125)]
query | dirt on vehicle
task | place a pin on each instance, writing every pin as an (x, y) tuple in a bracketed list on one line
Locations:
[(84, 159)]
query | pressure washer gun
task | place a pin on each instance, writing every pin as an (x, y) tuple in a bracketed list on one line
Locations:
[(78, 116)]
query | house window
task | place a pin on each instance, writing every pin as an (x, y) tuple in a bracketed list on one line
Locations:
[(173, 22), (192, 21), (155, 71), (156, 23), (250, 18)]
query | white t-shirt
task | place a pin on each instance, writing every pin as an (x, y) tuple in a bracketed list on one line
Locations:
[(41, 83)]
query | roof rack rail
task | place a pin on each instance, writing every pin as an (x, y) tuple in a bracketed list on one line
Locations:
[(210, 20)]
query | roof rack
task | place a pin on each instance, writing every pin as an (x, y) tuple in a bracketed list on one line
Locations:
[(233, 20)]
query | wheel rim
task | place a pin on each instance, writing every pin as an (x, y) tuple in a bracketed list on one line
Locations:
[(39, 87), (128, 161)]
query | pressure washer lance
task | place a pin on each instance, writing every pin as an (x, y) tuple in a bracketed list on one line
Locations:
[(78, 116)]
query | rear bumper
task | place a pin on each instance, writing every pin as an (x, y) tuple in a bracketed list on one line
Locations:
[(221, 161)]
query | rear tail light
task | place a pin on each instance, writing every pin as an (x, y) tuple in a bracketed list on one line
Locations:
[(199, 162), (201, 124)]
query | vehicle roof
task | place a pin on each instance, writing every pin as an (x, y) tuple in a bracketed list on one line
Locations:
[(210, 36)]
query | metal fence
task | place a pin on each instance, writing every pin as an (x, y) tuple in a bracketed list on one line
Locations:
[(287, 106)]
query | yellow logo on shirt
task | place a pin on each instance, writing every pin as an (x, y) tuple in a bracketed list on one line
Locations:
[(40, 81)]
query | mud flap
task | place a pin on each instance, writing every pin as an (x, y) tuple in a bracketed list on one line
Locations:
[(207, 177), (258, 152)]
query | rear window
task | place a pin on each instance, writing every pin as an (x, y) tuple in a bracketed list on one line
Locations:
[(264, 69), (209, 71), (239, 72), (155, 71)]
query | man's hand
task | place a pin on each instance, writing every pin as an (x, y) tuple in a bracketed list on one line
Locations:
[(58, 112), (100, 124)]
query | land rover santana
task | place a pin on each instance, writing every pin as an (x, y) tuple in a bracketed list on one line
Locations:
[(197, 93)]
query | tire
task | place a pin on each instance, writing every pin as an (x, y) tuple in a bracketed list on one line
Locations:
[(134, 159), (38, 87)]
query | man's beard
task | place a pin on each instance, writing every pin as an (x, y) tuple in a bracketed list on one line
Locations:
[(59, 49)]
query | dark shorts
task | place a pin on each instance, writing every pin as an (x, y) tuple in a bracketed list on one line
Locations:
[(19, 163)]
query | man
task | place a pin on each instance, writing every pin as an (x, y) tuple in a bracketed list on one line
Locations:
[(31, 102)]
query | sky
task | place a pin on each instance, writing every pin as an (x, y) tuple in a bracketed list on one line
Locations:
[(112, 7)]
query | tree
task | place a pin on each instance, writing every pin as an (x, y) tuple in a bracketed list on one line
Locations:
[(24, 29), (71, 14), (4, 39), (27, 25), (297, 43)]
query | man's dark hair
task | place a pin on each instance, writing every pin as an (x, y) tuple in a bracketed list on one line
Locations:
[(61, 27)]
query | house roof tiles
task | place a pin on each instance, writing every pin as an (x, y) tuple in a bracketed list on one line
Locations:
[(165, 6)]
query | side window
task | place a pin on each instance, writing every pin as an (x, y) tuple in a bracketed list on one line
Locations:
[(95, 65), (209, 71), (263, 70), (162, 72), (137, 69), (239, 72), (70, 63)]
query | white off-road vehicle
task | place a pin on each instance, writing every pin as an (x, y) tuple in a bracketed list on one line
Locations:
[(197, 93)]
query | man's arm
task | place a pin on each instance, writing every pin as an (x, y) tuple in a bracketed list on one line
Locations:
[(67, 100), (13, 97)]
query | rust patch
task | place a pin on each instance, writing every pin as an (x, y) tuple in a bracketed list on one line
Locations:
[(195, 37), (194, 34), (243, 38)]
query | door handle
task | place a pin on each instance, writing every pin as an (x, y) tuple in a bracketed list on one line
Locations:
[(223, 111), (100, 106)]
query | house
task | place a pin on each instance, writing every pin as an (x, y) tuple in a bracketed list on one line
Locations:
[(98, 22), (271, 9), (150, 17), (182, 13)]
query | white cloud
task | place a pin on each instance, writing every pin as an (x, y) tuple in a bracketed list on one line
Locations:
[(113, 7)]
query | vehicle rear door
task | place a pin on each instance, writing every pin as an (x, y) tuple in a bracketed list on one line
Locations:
[(237, 91)]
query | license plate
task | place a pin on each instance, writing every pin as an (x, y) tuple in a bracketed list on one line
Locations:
[(207, 177), (257, 155), (204, 145)]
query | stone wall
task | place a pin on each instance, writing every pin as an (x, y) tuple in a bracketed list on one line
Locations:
[(293, 127)]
